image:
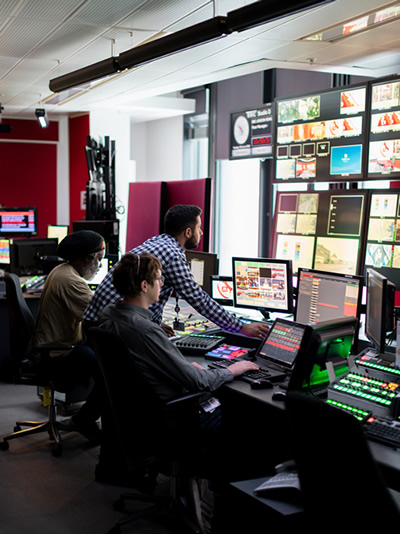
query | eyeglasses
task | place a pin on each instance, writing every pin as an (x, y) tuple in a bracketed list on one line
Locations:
[(161, 279)]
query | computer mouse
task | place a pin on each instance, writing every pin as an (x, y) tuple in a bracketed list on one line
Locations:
[(261, 384), (279, 395)]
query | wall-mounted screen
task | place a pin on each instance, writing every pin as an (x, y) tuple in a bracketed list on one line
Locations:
[(321, 137), (321, 230), (19, 222), (382, 250), (384, 130), (251, 133)]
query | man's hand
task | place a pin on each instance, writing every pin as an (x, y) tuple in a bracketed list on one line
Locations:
[(238, 368), (255, 330), (168, 330)]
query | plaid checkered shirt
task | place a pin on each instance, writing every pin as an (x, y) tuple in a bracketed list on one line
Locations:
[(178, 276)]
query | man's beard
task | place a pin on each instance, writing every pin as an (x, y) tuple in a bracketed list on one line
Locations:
[(190, 244)]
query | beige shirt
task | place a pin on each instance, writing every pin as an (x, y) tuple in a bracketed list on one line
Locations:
[(62, 303)]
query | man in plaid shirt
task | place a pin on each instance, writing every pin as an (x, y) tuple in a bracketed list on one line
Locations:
[(182, 231)]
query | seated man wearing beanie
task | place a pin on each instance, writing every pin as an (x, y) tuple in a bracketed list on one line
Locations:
[(64, 299)]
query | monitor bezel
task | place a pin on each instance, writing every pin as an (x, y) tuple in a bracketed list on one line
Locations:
[(264, 309)]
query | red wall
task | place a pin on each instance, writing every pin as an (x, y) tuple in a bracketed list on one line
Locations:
[(79, 128), (28, 174)]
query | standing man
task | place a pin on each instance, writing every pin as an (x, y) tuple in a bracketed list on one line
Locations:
[(62, 303), (182, 225)]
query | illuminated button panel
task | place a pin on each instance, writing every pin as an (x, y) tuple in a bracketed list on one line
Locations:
[(361, 415), (369, 364), (366, 388)]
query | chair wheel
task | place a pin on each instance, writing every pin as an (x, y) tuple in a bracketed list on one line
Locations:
[(17, 428), (119, 506), (4, 445)]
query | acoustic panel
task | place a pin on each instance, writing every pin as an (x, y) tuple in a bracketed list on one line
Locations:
[(146, 208)]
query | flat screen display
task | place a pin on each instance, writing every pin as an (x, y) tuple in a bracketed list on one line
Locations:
[(222, 289), (4, 251), (323, 295), (320, 137), (262, 284), (320, 230), (384, 130), (251, 133), (20, 222)]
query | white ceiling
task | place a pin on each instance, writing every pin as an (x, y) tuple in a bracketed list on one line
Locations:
[(44, 39)]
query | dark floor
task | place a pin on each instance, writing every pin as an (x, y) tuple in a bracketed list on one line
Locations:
[(41, 493)]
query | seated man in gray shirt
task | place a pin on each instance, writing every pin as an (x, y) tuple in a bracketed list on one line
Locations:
[(138, 279)]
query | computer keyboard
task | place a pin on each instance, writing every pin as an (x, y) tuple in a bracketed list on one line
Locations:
[(248, 376), (384, 432), (281, 481)]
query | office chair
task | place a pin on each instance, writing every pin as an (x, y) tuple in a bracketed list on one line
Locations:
[(24, 371), (153, 436), (342, 486)]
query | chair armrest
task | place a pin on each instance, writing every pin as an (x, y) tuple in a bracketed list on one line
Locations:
[(185, 398)]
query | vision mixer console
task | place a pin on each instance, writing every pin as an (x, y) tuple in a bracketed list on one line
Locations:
[(370, 391)]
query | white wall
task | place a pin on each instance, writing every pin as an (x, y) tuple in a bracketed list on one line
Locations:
[(116, 126), (157, 149)]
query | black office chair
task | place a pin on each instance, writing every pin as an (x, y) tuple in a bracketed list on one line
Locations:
[(153, 436), (24, 371), (342, 486)]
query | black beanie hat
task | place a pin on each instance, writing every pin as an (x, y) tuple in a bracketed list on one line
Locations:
[(80, 244)]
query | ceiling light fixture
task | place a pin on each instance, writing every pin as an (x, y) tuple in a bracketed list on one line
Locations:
[(238, 20), (42, 117)]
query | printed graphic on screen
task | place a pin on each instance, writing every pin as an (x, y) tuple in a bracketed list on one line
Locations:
[(383, 205), (222, 289), (384, 156), (385, 122), (306, 224), (286, 223), (17, 222), (381, 230), (261, 284), (396, 257), (385, 96), (308, 203), (352, 101), (306, 168), (300, 109), (346, 159), (345, 215), (299, 249), (378, 255), (336, 254), (4, 251)]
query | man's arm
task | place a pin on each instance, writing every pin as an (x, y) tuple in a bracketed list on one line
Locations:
[(180, 277)]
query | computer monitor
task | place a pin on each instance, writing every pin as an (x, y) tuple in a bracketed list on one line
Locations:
[(380, 305), (4, 251), (58, 231), (28, 256), (330, 341), (222, 289), (323, 295), (263, 284), (107, 263), (203, 265), (21, 222)]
